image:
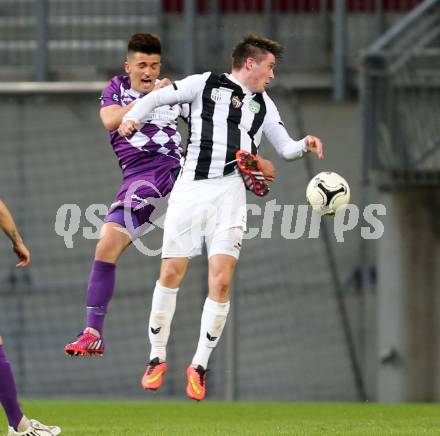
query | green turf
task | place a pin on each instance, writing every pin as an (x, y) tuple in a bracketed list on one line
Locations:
[(88, 418)]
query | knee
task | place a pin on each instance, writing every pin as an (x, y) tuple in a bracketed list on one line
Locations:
[(171, 275), (220, 284), (107, 252)]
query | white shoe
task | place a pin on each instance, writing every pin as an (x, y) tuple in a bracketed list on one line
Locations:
[(36, 429)]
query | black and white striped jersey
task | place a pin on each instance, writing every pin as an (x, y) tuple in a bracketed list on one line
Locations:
[(224, 117)]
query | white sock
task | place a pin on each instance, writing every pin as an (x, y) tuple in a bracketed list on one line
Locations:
[(161, 315), (213, 320)]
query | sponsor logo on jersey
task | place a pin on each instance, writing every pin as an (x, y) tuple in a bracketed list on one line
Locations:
[(236, 102), (115, 97), (165, 114), (217, 95), (254, 106), (127, 99)]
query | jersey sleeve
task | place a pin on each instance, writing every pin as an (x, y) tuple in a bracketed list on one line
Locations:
[(184, 111), (277, 135), (111, 94), (181, 91)]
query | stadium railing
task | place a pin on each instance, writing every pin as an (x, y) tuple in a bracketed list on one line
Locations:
[(401, 99)]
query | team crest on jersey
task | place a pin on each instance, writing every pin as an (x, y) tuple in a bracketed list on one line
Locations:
[(236, 102), (254, 106), (217, 95)]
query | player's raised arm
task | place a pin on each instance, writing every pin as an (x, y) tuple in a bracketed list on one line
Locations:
[(7, 224), (182, 91), (280, 139)]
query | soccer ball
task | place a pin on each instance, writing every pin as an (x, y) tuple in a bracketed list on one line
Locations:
[(328, 193)]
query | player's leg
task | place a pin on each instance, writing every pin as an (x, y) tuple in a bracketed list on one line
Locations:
[(18, 423), (8, 392), (114, 240), (214, 315), (163, 306), (182, 240)]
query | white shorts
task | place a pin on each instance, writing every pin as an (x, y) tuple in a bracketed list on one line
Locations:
[(211, 211)]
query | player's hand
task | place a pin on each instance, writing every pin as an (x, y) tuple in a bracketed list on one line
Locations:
[(162, 83), (268, 168), (128, 127), (22, 253), (314, 145)]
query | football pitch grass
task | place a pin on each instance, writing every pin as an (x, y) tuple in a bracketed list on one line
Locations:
[(89, 418)]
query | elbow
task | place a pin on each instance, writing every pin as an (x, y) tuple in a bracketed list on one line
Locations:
[(293, 155), (295, 150), (110, 125)]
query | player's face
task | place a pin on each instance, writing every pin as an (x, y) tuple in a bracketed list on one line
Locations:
[(261, 73), (143, 70)]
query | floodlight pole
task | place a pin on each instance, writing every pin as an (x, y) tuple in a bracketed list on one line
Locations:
[(214, 29), (269, 19), (339, 50), (380, 22), (41, 58), (189, 13)]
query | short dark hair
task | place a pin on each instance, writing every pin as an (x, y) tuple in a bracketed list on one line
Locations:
[(254, 46), (144, 43)]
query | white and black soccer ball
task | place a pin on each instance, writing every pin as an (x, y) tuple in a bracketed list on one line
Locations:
[(328, 193)]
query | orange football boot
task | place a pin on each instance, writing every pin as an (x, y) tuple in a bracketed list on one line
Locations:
[(153, 376), (196, 387)]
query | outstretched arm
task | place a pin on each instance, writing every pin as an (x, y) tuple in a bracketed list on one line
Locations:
[(290, 149), (7, 224), (286, 147), (131, 121), (182, 91), (314, 145)]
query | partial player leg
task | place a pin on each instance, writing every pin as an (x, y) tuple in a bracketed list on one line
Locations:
[(18, 423), (162, 311), (215, 312), (8, 392), (114, 240)]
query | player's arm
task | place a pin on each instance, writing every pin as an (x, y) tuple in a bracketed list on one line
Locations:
[(112, 109), (111, 116), (285, 146), (7, 224), (182, 91)]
